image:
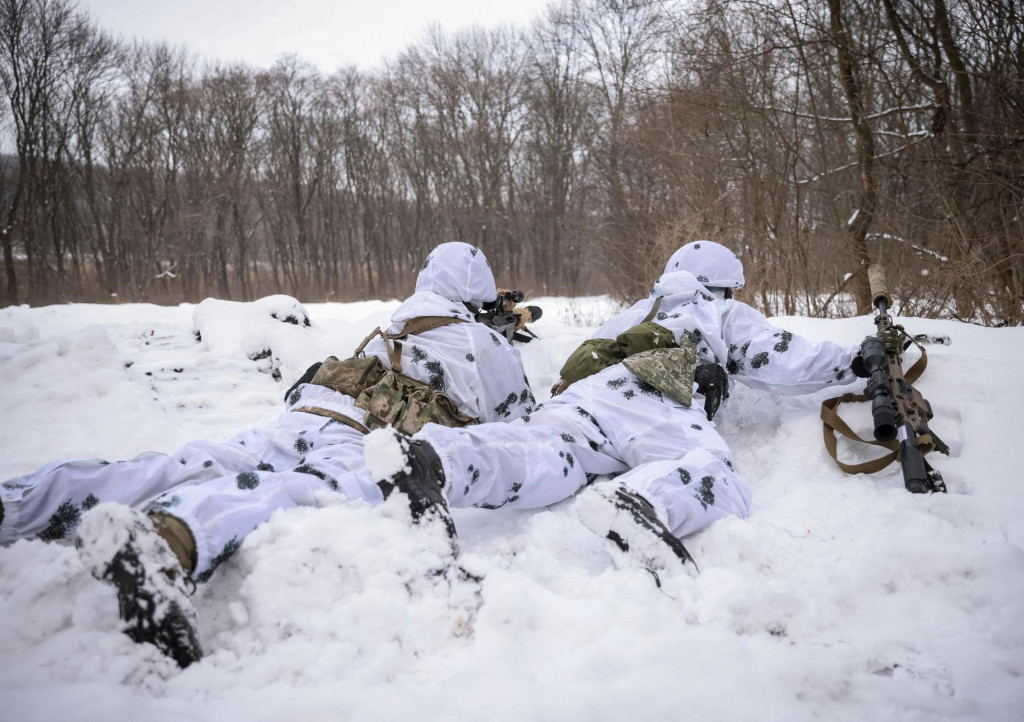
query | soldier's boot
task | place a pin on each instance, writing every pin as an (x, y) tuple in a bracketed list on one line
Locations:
[(629, 521), (422, 481), (120, 546)]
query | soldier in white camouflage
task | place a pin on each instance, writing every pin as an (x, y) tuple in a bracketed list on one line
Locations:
[(674, 472), (208, 496)]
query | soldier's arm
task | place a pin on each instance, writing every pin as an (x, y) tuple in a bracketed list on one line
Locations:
[(765, 356), (504, 389)]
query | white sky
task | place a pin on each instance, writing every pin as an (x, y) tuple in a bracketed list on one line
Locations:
[(327, 33)]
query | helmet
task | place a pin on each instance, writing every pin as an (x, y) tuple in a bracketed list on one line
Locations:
[(458, 272), (711, 263)]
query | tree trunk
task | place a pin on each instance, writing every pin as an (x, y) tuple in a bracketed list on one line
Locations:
[(867, 196)]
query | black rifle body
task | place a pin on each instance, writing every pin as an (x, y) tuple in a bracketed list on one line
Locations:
[(898, 410), (508, 318)]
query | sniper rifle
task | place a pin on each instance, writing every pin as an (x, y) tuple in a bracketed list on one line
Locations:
[(899, 412), (507, 317)]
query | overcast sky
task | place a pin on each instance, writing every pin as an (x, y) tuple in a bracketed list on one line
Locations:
[(327, 33)]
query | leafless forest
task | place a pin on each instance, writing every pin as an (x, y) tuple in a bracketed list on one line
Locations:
[(811, 136)]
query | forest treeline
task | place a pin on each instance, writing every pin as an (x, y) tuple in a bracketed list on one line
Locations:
[(811, 136)]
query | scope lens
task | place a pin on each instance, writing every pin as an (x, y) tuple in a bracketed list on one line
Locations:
[(884, 418)]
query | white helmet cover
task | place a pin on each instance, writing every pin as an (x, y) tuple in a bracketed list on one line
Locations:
[(711, 263), (458, 272)]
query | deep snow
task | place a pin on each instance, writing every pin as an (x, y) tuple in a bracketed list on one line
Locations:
[(840, 598)]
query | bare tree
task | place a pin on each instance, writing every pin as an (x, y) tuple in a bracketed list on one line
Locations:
[(34, 53), (557, 160), (808, 136)]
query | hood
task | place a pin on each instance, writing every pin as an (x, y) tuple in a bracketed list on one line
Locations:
[(426, 303), (711, 263), (458, 272), (678, 283), (687, 308)]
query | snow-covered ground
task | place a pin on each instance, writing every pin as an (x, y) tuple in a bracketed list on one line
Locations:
[(840, 598)]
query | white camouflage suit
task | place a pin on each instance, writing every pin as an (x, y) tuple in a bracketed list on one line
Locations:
[(613, 422), (222, 491)]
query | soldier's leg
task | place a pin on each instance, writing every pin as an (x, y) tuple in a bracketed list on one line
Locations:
[(685, 469), (48, 503), (219, 514), (524, 464), (692, 491), (285, 441), (677, 459)]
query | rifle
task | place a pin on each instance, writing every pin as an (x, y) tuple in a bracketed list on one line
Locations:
[(507, 317), (899, 412)]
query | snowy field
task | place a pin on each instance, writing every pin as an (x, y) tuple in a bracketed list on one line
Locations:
[(840, 598)]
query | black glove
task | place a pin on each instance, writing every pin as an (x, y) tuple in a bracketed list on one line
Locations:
[(857, 366), (713, 385), (305, 379)]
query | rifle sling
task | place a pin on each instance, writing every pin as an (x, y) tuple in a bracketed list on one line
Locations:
[(654, 310), (831, 422), (915, 371)]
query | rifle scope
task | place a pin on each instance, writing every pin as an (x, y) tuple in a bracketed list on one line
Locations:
[(879, 388)]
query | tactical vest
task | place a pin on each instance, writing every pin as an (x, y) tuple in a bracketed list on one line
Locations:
[(389, 397), (648, 349)]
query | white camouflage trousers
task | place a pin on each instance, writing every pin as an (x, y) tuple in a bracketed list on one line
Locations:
[(222, 491), (605, 424)]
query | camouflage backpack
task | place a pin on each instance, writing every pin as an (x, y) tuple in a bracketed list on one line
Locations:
[(670, 370), (597, 354), (389, 397), (648, 349)]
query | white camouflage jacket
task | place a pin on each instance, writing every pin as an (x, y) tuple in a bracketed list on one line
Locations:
[(738, 337), (475, 367)]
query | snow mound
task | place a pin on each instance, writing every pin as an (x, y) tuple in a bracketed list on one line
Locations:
[(252, 329), (384, 454), (356, 593)]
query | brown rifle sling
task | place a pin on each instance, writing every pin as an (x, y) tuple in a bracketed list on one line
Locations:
[(654, 310), (832, 423), (413, 326)]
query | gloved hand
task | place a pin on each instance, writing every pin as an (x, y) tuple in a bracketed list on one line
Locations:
[(713, 384), (857, 366)]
